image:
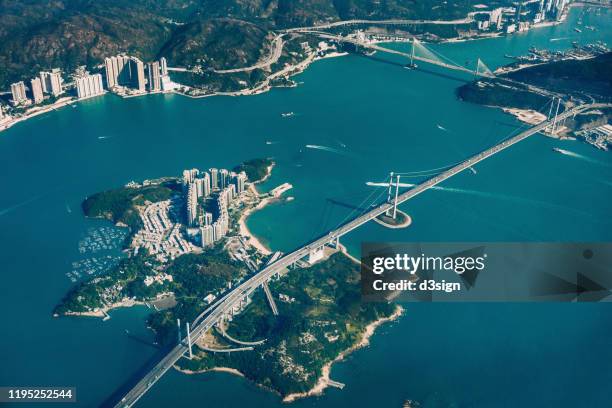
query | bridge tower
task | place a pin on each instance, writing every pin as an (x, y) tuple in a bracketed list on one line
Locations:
[(554, 124), (189, 341), (389, 190), (549, 116), (397, 181)]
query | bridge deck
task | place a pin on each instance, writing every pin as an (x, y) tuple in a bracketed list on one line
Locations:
[(227, 302)]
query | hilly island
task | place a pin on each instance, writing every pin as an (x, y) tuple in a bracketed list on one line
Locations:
[(182, 256)]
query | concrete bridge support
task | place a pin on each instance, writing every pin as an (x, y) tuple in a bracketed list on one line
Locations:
[(271, 301), (316, 255)]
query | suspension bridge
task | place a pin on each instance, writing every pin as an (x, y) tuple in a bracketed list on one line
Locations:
[(419, 52), (238, 297)]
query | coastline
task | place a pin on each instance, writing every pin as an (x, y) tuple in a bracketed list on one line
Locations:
[(265, 85), (323, 381), (103, 311), (243, 229)]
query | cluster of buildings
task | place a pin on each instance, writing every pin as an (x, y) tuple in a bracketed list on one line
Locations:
[(159, 235), (126, 75), (521, 16), (208, 196), (123, 74), (47, 82)]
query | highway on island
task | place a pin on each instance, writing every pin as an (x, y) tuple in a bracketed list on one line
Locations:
[(224, 306)]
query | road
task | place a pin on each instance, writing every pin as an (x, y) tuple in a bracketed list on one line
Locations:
[(225, 305), (407, 55), (275, 53), (465, 20)]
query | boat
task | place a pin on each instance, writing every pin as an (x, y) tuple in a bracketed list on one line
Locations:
[(577, 30), (411, 66), (287, 114)]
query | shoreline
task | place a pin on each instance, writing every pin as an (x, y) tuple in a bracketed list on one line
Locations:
[(323, 381), (103, 312), (243, 229), (265, 86)]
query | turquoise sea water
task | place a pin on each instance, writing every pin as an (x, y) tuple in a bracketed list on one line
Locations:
[(366, 117)]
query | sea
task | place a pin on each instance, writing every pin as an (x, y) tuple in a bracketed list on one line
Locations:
[(356, 118)]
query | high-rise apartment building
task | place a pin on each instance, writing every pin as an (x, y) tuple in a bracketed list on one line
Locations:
[(18, 92), (240, 181), (207, 235), (154, 76), (214, 178), (37, 91), (122, 70), (164, 66), (224, 178), (89, 85), (52, 82), (192, 205)]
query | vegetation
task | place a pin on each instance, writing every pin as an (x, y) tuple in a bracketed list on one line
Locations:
[(321, 316), (112, 287), (255, 169), (493, 92), (119, 205), (591, 76), (38, 35), (581, 79)]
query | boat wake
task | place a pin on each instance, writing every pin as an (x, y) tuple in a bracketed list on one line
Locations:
[(496, 196), (327, 149), (581, 157), (22, 204)]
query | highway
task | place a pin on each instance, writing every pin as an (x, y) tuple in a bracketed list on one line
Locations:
[(396, 21), (224, 305), (275, 53)]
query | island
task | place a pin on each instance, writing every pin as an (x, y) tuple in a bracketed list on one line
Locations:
[(188, 245), (532, 92)]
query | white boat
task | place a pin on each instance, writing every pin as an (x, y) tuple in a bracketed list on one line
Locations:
[(287, 114)]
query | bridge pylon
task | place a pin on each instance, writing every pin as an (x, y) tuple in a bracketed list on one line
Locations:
[(189, 341), (397, 181)]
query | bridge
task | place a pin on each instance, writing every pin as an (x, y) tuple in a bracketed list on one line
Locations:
[(418, 53), (231, 302)]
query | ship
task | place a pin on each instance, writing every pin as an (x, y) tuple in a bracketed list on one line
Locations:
[(556, 149), (576, 29), (287, 114), (411, 66)]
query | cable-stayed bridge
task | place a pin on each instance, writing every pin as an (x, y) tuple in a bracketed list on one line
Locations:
[(233, 301), (419, 52)]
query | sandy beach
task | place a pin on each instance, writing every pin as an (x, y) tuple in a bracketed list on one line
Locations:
[(243, 229)]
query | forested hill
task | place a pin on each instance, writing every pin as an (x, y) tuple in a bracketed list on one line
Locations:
[(583, 80), (41, 34)]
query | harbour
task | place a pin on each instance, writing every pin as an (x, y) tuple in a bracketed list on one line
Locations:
[(532, 200)]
